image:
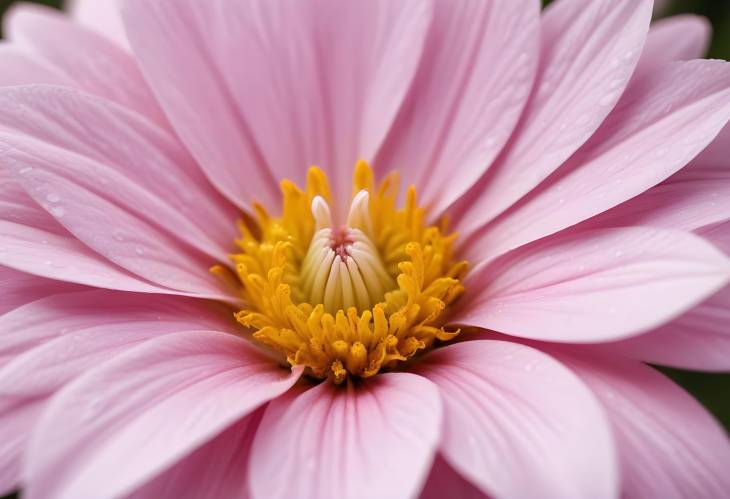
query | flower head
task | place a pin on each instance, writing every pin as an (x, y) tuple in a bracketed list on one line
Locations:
[(511, 211), (347, 298)]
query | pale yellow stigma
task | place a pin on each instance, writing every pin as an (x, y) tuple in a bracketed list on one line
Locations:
[(342, 268), (346, 297)]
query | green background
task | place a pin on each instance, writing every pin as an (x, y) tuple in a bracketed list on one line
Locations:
[(713, 390)]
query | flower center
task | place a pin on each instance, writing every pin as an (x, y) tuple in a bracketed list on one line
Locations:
[(346, 299), (343, 268)]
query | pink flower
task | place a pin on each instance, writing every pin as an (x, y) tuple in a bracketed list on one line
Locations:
[(553, 142)]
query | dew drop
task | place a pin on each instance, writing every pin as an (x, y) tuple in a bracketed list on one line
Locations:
[(57, 211), (53, 198)]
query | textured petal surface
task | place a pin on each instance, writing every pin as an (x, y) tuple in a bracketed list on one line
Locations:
[(94, 313), (217, 470), (63, 258), (124, 153), (119, 425), (20, 288), (117, 182), (590, 286), (473, 81), (695, 197), (254, 106), (444, 481), (376, 439), (669, 445), (103, 16), (699, 339), (660, 124), (677, 38), (94, 63), (519, 424), (18, 207), (33, 241), (717, 153), (59, 337), (20, 68), (589, 49)]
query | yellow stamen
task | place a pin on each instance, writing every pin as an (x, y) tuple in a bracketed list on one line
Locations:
[(346, 300)]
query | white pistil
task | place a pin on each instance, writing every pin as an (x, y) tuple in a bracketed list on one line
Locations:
[(321, 212), (359, 215), (342, 268)]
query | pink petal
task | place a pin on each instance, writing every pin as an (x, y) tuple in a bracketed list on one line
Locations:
[(338, 442), (14, 433), (697, 340), (695, 199), (669, 446), (64, 258), (166, 185), (475, 76), (91, 178), (20, 288), (689, 200), (254, 106), (214, 471), (588, 52), (94, 63), (59, 337), (121, 424), (591, 286), (716, 154), (661, 123), (444, 481), (677, 38), (18, 207), (103, 16), (33, 242), (718, 234), (19, 68), (519, 424), (105, 319)]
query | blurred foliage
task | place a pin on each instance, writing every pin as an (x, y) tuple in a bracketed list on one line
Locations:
[(712, 390), (718, 12), (4, 4)]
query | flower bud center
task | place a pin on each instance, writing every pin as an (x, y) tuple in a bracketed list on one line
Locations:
[(342, 267)]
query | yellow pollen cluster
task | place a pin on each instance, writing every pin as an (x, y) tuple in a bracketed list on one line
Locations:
[(348, 300)]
